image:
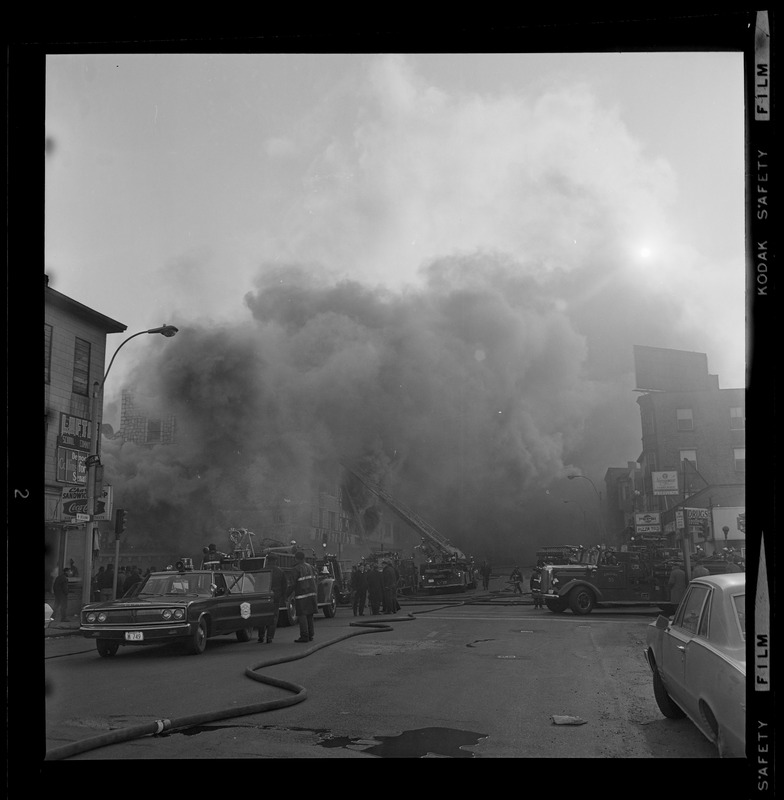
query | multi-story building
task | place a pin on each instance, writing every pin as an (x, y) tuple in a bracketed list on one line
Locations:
[(74, 356), (624, 489), (693, 447), (323, 520)]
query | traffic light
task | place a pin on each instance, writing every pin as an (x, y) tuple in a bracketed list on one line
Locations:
[(120, 521), (705, 529), (324, 539)]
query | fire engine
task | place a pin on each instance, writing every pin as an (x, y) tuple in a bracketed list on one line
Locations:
[(447, 569), (602, 579)]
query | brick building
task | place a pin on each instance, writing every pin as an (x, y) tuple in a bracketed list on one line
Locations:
[(693, 444), (74, 357)]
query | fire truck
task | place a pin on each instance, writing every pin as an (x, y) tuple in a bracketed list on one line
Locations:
[(329, 576), (447, 568), (635, 577)]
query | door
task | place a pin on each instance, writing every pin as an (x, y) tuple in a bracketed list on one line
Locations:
[(677, 643)]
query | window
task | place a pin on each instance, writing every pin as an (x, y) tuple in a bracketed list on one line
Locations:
[(691, 609), (737, 418), (81, 371), (153, 430), (688, 455), (739, 602), (704, 629), (333, 521), (740, 458), (685, 419), (47, 353)]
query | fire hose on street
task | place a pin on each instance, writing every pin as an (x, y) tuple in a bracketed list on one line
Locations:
[(297, 695)]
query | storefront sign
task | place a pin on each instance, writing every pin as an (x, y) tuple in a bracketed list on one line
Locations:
[(665, 482), (74, 502), (74, 432), (647, 522), (71, 465)]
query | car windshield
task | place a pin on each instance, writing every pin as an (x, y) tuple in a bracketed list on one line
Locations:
[(177, 583), (739, 601)]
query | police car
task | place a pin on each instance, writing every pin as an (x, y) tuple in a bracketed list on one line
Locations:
[(182, 605)]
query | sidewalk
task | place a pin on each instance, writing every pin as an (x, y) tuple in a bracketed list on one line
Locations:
[(68, 628)]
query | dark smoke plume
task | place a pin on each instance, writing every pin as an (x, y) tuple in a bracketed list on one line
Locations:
[(465, 397)]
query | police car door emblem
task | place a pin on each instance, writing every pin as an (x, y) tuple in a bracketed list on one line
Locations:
[(244, 610)]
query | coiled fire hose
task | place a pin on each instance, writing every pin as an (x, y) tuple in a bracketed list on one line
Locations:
[(299, 693)]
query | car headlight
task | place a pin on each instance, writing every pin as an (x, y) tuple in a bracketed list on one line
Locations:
[(103, 616), (179, 613), (92, 616), (166, 613)]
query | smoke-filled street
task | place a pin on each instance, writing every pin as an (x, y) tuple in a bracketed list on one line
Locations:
[(445, 680)]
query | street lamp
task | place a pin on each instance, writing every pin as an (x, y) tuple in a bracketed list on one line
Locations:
[(598, 497), (94, 459)]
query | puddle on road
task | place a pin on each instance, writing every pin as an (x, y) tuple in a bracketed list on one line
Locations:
[(418, 743)]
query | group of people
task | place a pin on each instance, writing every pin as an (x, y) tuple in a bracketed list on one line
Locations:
[(102, 584), (534, 584), (375, 585)]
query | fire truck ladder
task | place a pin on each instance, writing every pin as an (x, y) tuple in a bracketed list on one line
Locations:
[(426, 530)]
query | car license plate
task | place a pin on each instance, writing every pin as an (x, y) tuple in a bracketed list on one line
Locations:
[(134, 636)]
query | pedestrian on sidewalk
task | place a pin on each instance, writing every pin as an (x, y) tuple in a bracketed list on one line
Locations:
[(60, 589)]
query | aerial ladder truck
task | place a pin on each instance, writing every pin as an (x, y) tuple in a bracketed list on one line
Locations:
[(447, 568)]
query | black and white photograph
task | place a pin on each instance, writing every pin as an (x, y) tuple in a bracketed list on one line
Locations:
[(461, 341)]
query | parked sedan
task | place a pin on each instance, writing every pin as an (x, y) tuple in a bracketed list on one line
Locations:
[(698, 660), (184, 605)]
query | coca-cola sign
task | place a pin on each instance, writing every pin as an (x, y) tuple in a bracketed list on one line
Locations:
[(74, 501)]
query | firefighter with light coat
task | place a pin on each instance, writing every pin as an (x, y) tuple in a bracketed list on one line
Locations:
[(304, 579)]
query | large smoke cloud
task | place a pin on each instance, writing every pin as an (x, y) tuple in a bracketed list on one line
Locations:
[(455, 300)]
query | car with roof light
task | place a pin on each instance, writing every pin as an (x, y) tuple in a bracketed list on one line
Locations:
[(698, 660), (184, 605)]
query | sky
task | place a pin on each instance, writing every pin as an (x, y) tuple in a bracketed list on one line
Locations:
[(435, 262)]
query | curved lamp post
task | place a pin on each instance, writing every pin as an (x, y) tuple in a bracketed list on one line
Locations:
[(94, 459), (598, 497)]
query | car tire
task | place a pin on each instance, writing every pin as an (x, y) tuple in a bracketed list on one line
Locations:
[(106, 649), (666, 704), (197, 643), (331, 607), (288, 616), (244, 634), (557, 606), (582, 600)]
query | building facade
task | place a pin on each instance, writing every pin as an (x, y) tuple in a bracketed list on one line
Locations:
[(74, 358), (693, 458)]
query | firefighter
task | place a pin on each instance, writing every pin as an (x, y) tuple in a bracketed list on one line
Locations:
[(485, 571), (677, 583), (359, 585), (389, 583), (375, 589), (517, 579), (536, 587), (304, 596), (278, 584)]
